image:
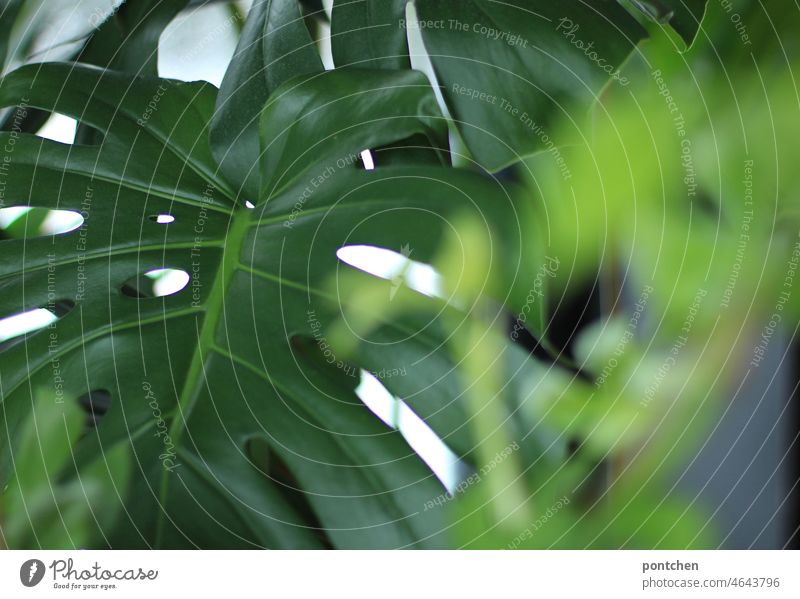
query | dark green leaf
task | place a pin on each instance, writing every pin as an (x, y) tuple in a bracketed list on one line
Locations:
[(508, 69), (325, 122), (370, 34), (9, 9), (315, 8), (128, 39), (275, 46)]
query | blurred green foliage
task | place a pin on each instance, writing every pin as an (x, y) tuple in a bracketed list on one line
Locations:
[(45, 505), (677, 198)]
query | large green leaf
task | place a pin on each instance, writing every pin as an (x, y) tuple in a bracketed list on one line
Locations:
[(507, 70), (196, 377), (275, 46), (128, 41)]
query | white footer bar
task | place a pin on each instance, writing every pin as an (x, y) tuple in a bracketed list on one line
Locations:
[(400, 575)]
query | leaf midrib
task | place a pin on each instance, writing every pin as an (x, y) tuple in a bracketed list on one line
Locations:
[(195, 377)]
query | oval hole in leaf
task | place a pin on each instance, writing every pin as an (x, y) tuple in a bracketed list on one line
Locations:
[(59, 128), (162, 219), (14, 327), (27, 222), (67, 130), (445, 464), (95, 405), (160, 282), (397, 267), (367, 160)]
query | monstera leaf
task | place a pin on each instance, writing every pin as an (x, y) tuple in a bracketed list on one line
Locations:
[(198, 378), (507, 70)]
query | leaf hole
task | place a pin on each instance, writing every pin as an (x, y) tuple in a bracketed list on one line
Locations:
[(28, 222), (368, 160), (95, 405), (162, 219), (270, 464), (397, 267), (67, 130), (257, 451), (160, 282), (59, 128), (395, 413), (14, 328)]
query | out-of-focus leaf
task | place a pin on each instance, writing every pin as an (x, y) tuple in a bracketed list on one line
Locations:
[(9, 10), (684, 16)]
